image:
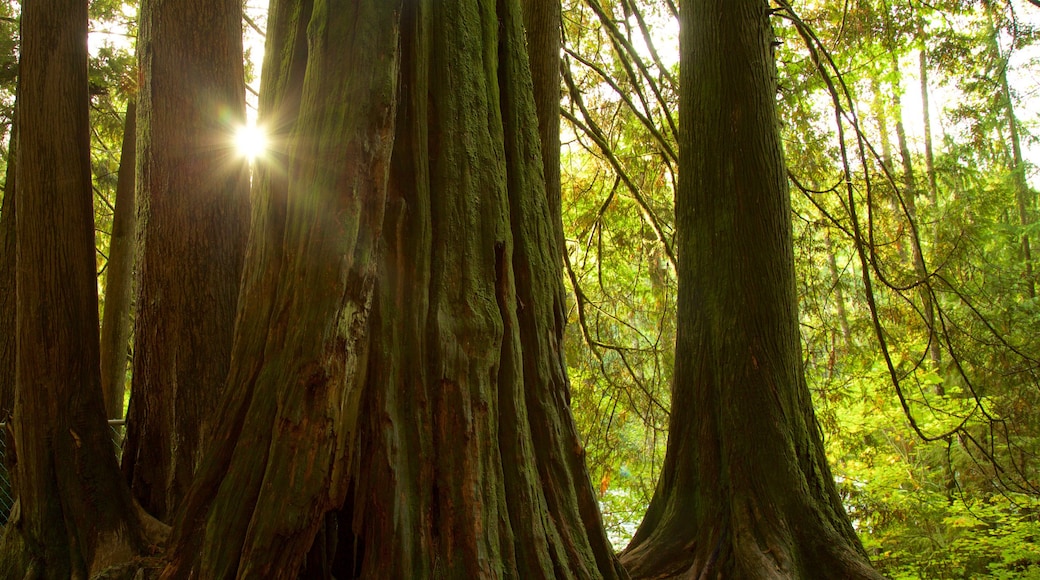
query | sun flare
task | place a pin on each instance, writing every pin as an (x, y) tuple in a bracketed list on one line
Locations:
[(250, 141)]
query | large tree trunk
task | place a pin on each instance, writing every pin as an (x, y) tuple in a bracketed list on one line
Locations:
[(745, 490), (74, 512), (441, 419), (471, 465), (115, 323), (193, 223), (542, 22)]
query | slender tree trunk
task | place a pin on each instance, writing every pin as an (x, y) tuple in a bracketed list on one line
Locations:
[(745, 490), (1024, 196), (908, 210), (881, 115), (7, 278), (115, 323), (929, 155), (74, 513), (193, 223)]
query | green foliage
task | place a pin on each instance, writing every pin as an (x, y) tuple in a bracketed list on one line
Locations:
[(935, 457), (618, 169), (911, 501)]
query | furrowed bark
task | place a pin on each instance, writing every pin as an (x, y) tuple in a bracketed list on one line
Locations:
[(470, 463), (289, 418), (115, 323)]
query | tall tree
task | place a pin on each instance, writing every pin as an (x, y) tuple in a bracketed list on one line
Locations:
[(1025, 198), (74, 512), (425, 379), (745, 490), (7, 280), (115, 323), (193, 224)]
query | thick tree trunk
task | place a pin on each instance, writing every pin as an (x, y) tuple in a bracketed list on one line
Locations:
[(115, 323), (7, 279), (745, 490), (442, 421), (471, 465), (193, 223), (74, 512), (284, 450), (1024, 196)]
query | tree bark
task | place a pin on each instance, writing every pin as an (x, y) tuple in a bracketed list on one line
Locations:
[(74, 512), (745, 490), (1024, 196), (471, 464), (926, 120), (7, 278), (838, 293), (542, 22), (193, 223), (115, 323), (908, 210), (416, 358)]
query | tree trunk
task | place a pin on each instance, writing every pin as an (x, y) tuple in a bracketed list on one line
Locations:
[(440, 419), (193, 223), (745, 490), (7, 279), (74, 512), (288, 421), (115, 323), (542, 22), (1024, 196), (471, 464), (838, 293)]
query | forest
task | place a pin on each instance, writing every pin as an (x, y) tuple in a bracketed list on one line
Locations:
[(519, 289)]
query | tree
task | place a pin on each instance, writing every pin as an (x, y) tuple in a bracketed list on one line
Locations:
[(115, 323), (542, 23), (400, 316), (193, 226), (7, 282), (8, 78), (745, 489), (74, 512)]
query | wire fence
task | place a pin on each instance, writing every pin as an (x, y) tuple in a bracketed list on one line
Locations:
[(7, 494)]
